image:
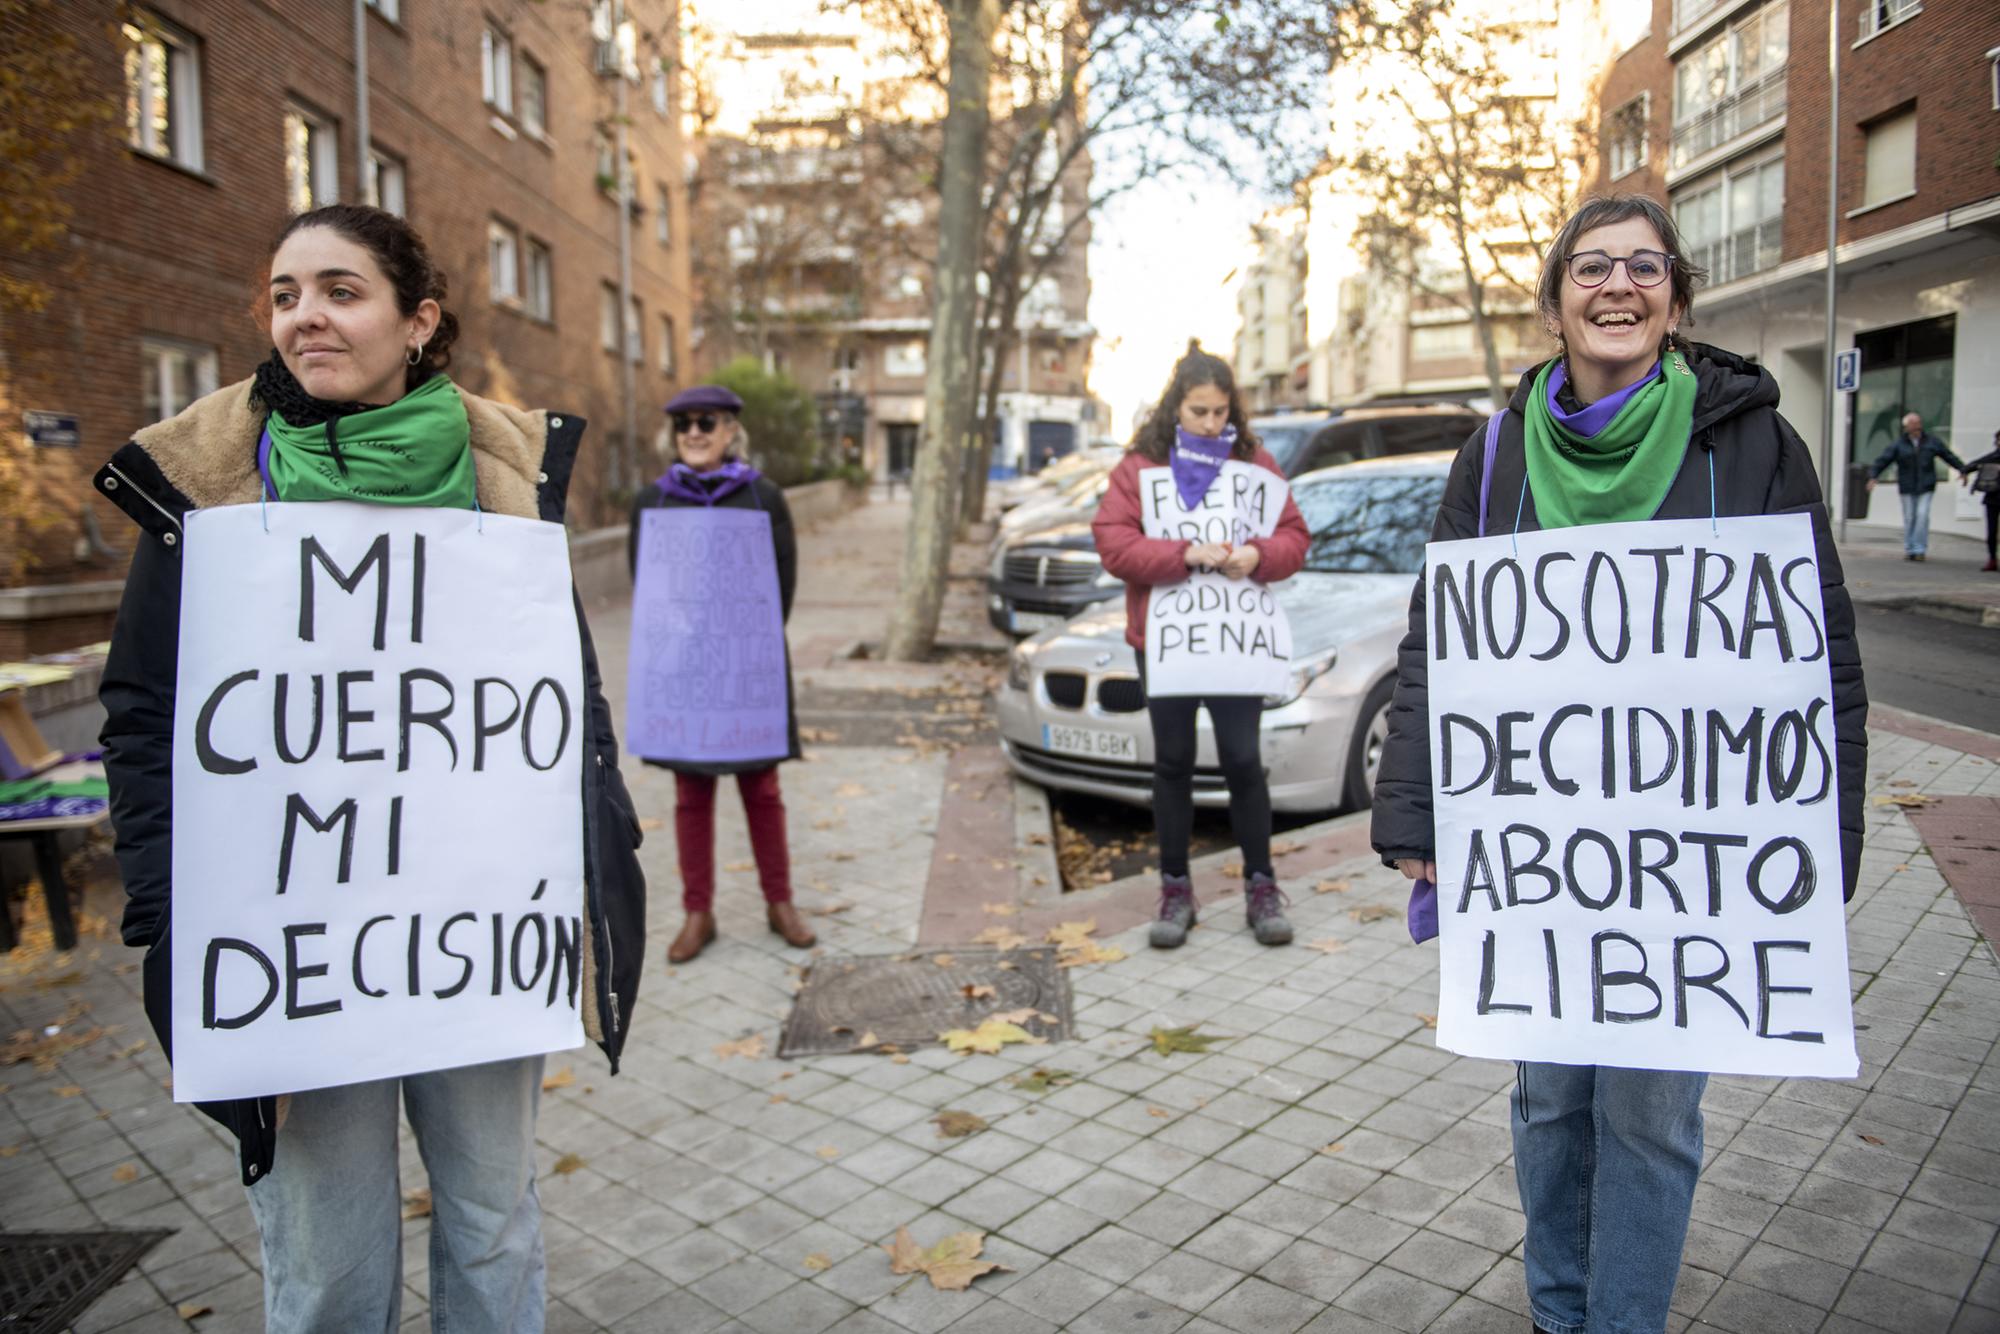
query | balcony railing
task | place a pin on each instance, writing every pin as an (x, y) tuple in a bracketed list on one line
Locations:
[(1743, 252), (1879, 14), (1742, 111)]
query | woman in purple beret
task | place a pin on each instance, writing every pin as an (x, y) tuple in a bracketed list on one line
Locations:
[(710, 472)]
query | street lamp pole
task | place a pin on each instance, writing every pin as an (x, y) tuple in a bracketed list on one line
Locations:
[(625, 460), (1832, 396), (361, 135)]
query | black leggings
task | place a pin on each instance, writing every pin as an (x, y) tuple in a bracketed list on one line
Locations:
[(1236, 720), (1992, 523)]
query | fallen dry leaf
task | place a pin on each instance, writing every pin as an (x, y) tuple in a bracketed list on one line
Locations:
[(1088, 951), (1372, 912), (1328, 945), (818, 735), (567, 1164), (999, 909), (1285, 845), (125, 1172), (561, 1079), (781, 1097), (1159, 1112), (417, 1203), (1038, 840), (1000, 938), (1870, 1139), (1026, 1014), (1041, 1081), (899, 1059), (1169, 1040), (1069, 934), (751, 1048), (69, 1091), (951, 1265), (9, 1150), (828, 909), (866, 1040), (1430, 1020), (1332, 887), (193, 1310), (989, 1037), (818, 1261), (957, 1124), (828, 1151), (739, 866), (1334, 1148), (944, 960), (974, 991), (1232, 870), (828, 823), (850, 790), (1909, 801)]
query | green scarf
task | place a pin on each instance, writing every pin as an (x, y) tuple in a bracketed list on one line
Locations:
[(1623, 471), (415, 451)]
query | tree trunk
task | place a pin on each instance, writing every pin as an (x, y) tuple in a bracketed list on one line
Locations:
[(950, 374), (987, 421)]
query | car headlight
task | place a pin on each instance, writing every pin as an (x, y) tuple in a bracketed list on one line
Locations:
[(994, 571), (1017, 668), (1303, 675)]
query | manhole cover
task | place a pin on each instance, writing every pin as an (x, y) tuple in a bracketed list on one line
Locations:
[(48, 1278), (908, 999)]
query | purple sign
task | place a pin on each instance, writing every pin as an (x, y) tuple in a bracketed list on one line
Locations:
[(707, 677)]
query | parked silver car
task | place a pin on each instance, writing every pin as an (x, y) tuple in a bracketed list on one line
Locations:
[(1072, 715)]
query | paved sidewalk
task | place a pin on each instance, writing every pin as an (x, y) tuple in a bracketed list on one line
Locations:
[(1949, 584), (1325, 1168)]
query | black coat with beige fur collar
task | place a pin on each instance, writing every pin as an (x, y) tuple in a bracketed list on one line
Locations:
[(207, 456)]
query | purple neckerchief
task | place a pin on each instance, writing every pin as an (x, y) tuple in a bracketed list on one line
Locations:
[(1588, 421), (264, 464), (1196, 461), (684, 483)]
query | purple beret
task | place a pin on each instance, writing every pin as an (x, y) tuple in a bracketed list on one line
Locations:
[(705, 398)]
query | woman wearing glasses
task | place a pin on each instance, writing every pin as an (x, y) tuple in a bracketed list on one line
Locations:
[(1621, 425), (710, 472)]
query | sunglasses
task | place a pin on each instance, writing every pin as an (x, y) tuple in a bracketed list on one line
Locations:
[(688, 423)]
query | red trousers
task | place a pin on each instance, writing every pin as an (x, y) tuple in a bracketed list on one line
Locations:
[(694, 825)]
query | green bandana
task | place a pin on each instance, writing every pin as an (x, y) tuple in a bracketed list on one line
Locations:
[(415, 451), (1620, 473)]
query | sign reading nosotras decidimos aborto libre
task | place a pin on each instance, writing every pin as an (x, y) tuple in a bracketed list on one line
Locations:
[(378, 799), (1632, 751)]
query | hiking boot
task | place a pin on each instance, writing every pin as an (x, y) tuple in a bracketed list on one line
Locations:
[(1265, 906), (1177, 909)]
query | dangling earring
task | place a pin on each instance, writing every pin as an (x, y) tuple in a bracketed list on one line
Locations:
[(416, 355)]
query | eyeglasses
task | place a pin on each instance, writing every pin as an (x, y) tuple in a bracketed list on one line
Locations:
[(1646, 268), (689, 423)]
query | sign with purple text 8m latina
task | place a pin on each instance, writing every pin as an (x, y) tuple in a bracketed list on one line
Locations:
[(707, 679), (1209, 634), (1632, 765), (378, 832)]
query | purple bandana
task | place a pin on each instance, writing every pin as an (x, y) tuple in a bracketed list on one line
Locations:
[(684, 483), (1196, 460), (1590, 420)]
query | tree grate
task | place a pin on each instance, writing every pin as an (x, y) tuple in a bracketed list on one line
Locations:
[(906, 1000), (47, 1279)]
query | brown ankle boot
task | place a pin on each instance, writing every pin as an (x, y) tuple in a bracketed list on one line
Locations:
[(696, 933), (785, 920)]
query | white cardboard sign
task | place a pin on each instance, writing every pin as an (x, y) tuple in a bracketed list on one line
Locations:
[(1632, 765), (1210, 634), (378, 839)]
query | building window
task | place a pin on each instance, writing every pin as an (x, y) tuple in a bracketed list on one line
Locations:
[(607, 318), (903, 359), (173, 374), (534, 98), (386, 176), (503, 263), (1890, 171), (635, 333), (541, 294), (1879, 15), (663, 217), (1730, 221), (312, 161), (1432, 342), (1625, 135), (496, 69), (163, 91), (1993, 60), (666, 345), (660, 103), (607, 162), (1732, 84), (391, 10), (1904, 368)]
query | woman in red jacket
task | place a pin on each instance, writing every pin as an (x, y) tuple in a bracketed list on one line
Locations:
[(1196, 428)]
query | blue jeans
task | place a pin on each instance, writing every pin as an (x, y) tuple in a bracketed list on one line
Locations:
[(1916, 521), (1606, 1160), (331, 1210)]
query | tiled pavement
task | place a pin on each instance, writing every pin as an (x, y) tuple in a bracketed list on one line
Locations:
[(1186, 1192)]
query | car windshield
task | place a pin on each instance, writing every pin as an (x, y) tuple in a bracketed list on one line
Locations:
[(1369, 525), (1284, 442)]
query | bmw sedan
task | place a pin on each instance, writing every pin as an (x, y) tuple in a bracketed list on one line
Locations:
[(1073, 717)]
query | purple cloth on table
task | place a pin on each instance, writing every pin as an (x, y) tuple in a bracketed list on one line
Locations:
[(1423, 911), (51, 808), (707, 678)]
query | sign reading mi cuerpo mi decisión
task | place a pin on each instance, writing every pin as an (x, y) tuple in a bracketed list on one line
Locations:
[(1632, 753), (378, 839)]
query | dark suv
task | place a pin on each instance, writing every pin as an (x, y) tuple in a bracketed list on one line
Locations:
[(1302, 443)]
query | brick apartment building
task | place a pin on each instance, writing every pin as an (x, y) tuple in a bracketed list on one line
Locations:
[(813, 183), (1721, 108), (490, 128)]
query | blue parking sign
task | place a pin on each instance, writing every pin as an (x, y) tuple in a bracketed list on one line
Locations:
[(1847, 370)]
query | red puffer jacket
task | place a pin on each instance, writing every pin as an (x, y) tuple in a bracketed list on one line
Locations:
[(1143, 562)]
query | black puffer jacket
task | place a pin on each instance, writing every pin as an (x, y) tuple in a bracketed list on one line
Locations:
[(207, 456), (762, 494), (1761, 467)]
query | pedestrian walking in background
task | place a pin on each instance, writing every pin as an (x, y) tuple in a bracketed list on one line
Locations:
[(1914, 453), (1983, 476), (710, 472), (1628, 422), (1197, 426), (353, 404)]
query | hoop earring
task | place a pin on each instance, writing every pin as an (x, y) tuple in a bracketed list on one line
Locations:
[(416, 355)]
